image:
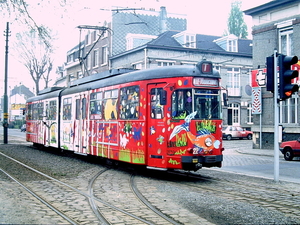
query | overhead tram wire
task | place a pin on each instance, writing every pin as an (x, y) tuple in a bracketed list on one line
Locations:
[(100, 28)]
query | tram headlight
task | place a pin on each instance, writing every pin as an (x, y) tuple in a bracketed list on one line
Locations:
[(208, 142)]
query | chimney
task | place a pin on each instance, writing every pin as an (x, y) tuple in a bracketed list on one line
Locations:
[(163, 19)]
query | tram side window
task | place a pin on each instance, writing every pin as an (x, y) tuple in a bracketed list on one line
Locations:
[(96, 105), (129, 102), (157, 110), (52, 110), (110, 104), (67, 103), (181, 103), (30, 112), (77, 115), (83, 101), (35, 111), (80, 109), (38, 111)]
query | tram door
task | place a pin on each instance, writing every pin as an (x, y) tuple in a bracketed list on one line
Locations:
[(80, 139), (157, 125)]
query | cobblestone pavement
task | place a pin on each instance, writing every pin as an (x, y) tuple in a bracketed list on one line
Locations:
[(209, 201)]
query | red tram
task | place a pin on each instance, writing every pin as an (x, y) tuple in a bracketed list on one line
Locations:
[(163, 118)]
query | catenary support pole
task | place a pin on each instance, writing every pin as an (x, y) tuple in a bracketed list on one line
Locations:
[(5, 98)]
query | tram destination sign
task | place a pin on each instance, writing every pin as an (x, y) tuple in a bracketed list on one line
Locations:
[(205, 82)]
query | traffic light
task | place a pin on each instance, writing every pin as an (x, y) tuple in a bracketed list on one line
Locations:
[(270, 73), (286, 88)]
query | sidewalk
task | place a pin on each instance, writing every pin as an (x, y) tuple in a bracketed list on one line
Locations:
[(260, 152)]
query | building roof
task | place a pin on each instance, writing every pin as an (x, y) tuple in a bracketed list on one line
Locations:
[(269, 5), (143, 22), (204, 43), (22, 90)]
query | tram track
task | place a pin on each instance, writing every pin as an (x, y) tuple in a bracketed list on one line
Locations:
[(102, 209), (39, 198), (268, 195), (129, 201)]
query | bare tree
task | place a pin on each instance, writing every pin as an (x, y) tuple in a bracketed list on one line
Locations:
[(35, 55), (46, 75), (21, 11)]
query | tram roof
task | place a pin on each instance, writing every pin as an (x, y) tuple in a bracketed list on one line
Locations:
[(121, 76), (98, 81)]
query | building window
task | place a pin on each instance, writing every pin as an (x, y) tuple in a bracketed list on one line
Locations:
[(286, 41), (71, 77), (89, 61), (190, 41), (94, 36), (233, 114), (218, 68), (232, 46), (136, 40), (104, 58), (95, 58), (161, 63), (137, 66), (79, 74), (249, 114), (87, 39), (288, 110), (234, 82), (228, 43), (104, 34)]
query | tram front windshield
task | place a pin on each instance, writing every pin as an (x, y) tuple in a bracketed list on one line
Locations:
[(207, 103)]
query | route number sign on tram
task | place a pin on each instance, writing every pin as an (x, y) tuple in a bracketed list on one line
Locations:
[(206, 67)]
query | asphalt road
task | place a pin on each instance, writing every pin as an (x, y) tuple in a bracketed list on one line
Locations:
[(12, 133), (257, 165)]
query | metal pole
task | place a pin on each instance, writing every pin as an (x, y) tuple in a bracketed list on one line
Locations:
[(5, 98), (276, 121), (260, 132)]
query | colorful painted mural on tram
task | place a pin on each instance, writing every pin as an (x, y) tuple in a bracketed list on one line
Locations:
[(163, 118)]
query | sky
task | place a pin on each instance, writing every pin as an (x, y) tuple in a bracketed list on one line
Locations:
[(203, 17)]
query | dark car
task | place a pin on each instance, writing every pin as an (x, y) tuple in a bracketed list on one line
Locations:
[(23, 128), (290, 149), (230, 132)]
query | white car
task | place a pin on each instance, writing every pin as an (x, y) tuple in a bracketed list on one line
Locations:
[(230, 132), (23, 128)]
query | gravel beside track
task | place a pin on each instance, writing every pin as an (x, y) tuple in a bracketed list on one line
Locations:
[(171, 194)]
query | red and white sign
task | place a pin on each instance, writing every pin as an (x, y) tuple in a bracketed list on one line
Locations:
[(256, 100), (259, 76)]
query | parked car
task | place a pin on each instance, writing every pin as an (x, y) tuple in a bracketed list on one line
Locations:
[(290, 149), (23, 128), (230, 132)]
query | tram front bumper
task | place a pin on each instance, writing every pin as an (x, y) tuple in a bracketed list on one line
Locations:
[(206, 161)]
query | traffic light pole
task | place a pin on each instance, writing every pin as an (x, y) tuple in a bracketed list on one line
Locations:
[(276, 121)]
